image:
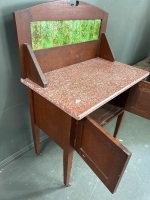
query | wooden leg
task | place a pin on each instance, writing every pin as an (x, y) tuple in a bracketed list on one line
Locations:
[(36, 138), (35, 129), (118, 123), (67, 162)]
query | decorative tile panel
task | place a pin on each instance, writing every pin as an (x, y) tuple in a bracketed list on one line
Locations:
[(48, 34)]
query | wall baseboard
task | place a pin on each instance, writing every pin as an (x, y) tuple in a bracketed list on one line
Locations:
[(20, 152)]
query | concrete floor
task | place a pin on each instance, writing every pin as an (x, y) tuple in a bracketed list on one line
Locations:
[(41, 178)]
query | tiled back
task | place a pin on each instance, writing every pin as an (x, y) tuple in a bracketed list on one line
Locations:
[(48, 34)]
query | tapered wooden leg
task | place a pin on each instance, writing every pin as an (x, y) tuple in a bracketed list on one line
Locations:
[(67, 162), (36, 138), (118, 123), (35, 129)]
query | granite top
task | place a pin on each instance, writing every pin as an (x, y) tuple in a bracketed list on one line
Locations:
[(81, 88)]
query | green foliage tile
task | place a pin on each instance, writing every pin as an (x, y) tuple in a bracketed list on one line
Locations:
[(67, 32), (84, 30), (57, 33), (76, 32), (96, 29), (47, 34), (91, 24)]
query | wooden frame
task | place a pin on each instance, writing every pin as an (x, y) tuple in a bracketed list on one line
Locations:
[(138, 100), (55, 11), (67, 132), (33, 70)]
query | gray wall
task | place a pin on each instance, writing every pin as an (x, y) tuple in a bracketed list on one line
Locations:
[(128, 28), (129, 35)]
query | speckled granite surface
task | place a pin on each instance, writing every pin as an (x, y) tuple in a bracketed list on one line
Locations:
[(80, 89)]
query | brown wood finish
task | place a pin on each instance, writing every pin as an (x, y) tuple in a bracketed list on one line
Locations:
[(68, 155), (120, 100), (52, 120), (35, 129), (67, 164), (103, 153), (106, 113), (105, 50), (33, 70), (58, 11), (23, 35), (58, 126), (55, 11), (139, 100), (104, 22), (66, 55), (118, 123)]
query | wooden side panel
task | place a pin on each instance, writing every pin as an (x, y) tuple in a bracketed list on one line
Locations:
[(103, 153), (105, 50), (53, 121), (22, 20), (33, 70), (139, 100)]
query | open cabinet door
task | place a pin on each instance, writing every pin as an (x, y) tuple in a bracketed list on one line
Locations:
[(103, 153), (138, 101)]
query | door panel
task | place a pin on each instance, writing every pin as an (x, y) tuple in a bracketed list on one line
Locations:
[(103, 153), (138, 101)]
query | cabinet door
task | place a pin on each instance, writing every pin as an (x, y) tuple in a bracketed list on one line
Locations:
[(138, 101), (102, 152)]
